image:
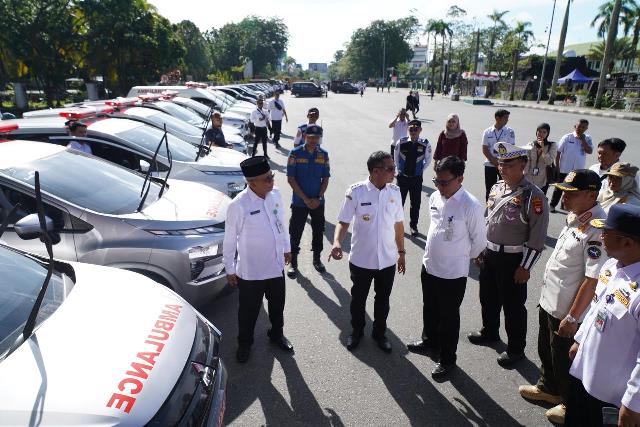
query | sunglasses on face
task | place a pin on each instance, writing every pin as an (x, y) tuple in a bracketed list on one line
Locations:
[(414, 129), (443, 182)]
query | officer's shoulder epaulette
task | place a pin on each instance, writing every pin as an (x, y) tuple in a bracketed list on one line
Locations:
[(403, 139), (393, 186), (357, 184)]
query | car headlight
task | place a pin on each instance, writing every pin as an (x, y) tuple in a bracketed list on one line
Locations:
[(223, 173), (216, 228), (235, 187), (198, 256)]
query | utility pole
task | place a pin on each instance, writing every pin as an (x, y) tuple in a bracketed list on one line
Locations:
[(546, 53), (384, 79)]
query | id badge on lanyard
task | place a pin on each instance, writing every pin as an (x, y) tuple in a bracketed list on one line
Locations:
[(448, 232)]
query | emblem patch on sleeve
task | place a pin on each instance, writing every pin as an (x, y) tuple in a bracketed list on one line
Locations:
[(538, 206)]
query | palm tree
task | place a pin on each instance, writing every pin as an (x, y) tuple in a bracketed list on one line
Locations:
[(622, 49), (520, 36), (445, 30), (605, 10), (433, 26), (556, 69), (496, 17), (611, 37), (631, 24)]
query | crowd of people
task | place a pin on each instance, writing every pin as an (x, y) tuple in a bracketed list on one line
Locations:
[(588, 339)]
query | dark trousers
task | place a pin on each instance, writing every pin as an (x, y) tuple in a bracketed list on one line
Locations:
[(583, 410), (382, 285), (557, 193), (491, 176), (413, 186), (298, 220), (441, 299), (499, 291), (250, 302), (276, 127), (261, 136), (554, 356)]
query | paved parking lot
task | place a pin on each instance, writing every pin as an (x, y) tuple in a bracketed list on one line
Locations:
[(323, 384)]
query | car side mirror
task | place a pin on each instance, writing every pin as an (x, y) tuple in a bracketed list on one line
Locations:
[(28, 228), (144, 166)]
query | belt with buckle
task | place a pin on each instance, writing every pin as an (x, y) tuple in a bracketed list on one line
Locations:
[(505, 248)]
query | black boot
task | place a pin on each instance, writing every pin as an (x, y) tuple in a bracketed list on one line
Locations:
[(292, 272), (317, 264)]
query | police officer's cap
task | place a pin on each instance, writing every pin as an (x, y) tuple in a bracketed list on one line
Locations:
[(313, 130), (580, 180), (622, 218), (313, 110), (508, 151), (255, 166), (417, 123)]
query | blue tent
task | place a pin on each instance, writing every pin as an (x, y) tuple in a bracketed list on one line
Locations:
[(575, 76)]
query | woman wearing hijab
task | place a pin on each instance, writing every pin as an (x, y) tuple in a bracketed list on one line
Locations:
[(452, 141), (623, 187), (542, 154)]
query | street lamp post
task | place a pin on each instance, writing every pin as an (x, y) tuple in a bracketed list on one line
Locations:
[(546, 53), (383, 60)]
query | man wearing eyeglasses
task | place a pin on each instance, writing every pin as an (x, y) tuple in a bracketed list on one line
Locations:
[(517, 220), (255, 250), (412, 156), (457, 233), (377, 245)]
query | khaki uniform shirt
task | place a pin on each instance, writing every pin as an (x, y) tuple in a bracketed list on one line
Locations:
[(578, 254), (523, 220)]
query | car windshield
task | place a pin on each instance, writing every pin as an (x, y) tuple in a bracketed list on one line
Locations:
[(22, 278), (198, 107), (158, 118), (181, 113), (149, 137), (86, 181)]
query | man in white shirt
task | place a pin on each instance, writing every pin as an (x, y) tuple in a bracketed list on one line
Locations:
[(400, 126), (457, 233), (569, 282), (377, 245), (572, 153), (605, 371), (260, 120), (277, 111), (78, 130), (499, 132), (255, 250), (609, 152)]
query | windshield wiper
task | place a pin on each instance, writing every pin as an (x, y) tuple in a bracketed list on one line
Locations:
[(30, 324), (170, 158), (145, 188), (201, 147)]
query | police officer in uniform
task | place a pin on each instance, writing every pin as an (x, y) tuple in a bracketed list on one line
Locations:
[(308, 175), (605, 372), (569, 282), (312, 115), (517, 220), (412, 157), (377, 245), (255, 250)]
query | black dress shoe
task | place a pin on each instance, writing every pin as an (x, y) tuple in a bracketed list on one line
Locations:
[(317, 264), (383, 343), (243, 353), (283, 343), (353, 341), (292, 272), (442, 370), (421, 346), (507, 359), (479, 337)]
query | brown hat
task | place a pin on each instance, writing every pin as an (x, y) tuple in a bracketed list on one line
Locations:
[(622, 169)]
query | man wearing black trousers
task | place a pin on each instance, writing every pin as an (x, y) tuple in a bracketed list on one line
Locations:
[(308, 175), (277, 111), (255, 250), (260, 121), (456, 234), (499, 132)]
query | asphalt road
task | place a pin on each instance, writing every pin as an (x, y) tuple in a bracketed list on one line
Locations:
[(323, 384)]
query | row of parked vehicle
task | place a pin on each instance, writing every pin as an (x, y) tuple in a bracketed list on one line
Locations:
[(150, 199)]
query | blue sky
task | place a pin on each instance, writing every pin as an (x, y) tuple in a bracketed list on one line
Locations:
[(319, 28)]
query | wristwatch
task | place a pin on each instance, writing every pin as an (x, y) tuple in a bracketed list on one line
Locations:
[(569, 318), (402, 252)]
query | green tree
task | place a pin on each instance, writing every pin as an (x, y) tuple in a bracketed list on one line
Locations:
[(603, 18), (519, 40), (621, 49), (556, 68), (197, 57), (498, 23), (41, 34), (612, 33)]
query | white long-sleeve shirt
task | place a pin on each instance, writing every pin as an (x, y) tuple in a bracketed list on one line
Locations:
[(255, 230), (608, 358), (457, 233)]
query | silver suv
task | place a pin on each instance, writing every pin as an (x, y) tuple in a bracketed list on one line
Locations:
[(104, 214)]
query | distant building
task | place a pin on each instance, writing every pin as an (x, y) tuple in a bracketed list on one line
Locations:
[(320, 67), (583, 49), (419, 57), (298, 67)]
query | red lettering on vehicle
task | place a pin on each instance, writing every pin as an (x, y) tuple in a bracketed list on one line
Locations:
[(130, 384)]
